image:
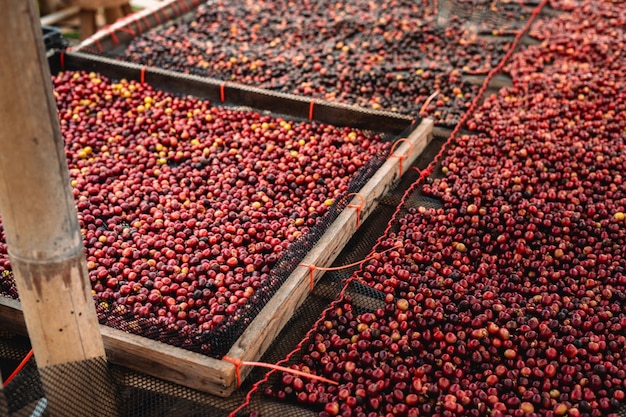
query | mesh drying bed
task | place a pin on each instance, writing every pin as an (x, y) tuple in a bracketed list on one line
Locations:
[(221, 341), (498, 282), (238, 99), (141, 395), (414, 63)]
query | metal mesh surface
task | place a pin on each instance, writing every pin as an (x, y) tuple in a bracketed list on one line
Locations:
[(486, 16)]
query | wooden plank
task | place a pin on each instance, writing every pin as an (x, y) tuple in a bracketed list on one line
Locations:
[(284, 104), (59, 16), (96, 4), (153, 358), (146, 4), (169, 363), (270, 321)]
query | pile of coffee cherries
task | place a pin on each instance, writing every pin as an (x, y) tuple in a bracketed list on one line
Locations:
[(185, 207), (510, 300), (390, 56)]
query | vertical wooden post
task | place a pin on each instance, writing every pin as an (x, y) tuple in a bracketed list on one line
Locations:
[(41, 226)]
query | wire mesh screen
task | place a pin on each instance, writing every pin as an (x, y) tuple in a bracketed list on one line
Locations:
[(24, 391), (486, 16), (262, 252)]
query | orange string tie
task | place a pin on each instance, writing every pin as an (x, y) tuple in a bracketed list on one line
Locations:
[(311, 269), (401, 157), (291, 371), (176, 8), (357, 207), (427, 102), (127, 29), (111, 33), (156, 17), (222, 92), (163, 14), (238, 363), (311, 108), (146, 22), (338, 268), (183, 6), (97, 42), (416, 169), (138, 26), (425, 173), (142, 75)]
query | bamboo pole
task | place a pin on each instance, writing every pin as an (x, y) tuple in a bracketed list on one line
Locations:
[(41, 226)]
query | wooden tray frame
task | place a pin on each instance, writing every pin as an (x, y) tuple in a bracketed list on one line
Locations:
[(112, 38), (195, 370)]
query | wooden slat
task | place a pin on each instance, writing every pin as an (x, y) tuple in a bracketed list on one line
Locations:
[(96, 4), (218, 377), (154, 358), (59, 16), (146, 4), (169, 363)]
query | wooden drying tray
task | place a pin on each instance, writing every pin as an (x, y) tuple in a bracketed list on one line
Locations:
[(218, 377), (195, 370), (118, 35)]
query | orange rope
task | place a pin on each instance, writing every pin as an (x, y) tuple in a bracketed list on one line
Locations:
[(311, 107), (427, 102), (239, 363), (146, 22), (358, 208), (222, 93), (401, 157), (138, 25), (127, 29), (62, 60), (338, 268), (354, 206), (183, 6), (111, 33), (97, 42), (156, 17), (163, 15), (142, 75), (176, 8), (19, 368)]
